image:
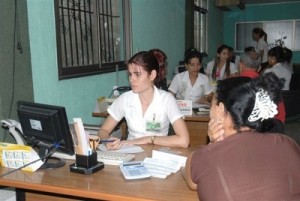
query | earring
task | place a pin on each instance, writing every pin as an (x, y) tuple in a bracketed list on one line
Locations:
[(220, 120)]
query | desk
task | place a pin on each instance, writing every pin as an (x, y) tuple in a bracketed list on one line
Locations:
[(107, 184), (197, 126)]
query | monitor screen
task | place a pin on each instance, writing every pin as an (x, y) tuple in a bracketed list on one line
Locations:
[(44, 126)]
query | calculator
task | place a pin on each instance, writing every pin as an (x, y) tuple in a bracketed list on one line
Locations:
[(134, 170)]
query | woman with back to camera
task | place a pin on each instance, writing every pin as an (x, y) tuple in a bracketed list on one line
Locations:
[(262, 47), (242, 163), (190, 84), (148, 111), (221, 67)]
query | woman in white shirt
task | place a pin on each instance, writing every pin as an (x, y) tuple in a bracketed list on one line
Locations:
[(148, 111), (190, 84), (262, 46), (221, 67), (277, 61)]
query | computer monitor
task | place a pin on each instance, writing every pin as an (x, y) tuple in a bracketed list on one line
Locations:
[(46, 126)]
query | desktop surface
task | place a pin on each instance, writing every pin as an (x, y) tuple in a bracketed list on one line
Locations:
[(107, 184)]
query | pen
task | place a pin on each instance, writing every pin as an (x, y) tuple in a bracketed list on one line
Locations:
[(106, 140)]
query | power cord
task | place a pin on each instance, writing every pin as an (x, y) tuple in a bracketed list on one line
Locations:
[(54, 147)]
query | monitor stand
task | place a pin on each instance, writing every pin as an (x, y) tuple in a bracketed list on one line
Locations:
[(50, 162)]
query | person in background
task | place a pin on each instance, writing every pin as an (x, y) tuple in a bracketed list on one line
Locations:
[(148, 111), (245, 164), (163, 66), (233, 57), (251, 51), (248, 68), (221, 67), (277, 62), (190, 84), (262, 47)]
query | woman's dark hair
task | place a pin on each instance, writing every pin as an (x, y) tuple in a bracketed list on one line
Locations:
[(249, 49), (288, 54), (278, 53), (238, 96), (217, 62), (147, 60), (162, 61), (261, 33), (192, 53)]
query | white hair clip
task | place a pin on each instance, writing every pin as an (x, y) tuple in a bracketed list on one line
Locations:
[(264, 107)]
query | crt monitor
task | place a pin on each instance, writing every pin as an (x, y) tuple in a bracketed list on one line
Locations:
[(45, 126)]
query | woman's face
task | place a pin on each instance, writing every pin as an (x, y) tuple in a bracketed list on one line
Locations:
[(255, 36), (224, 55), (272, 60), (193, 66), (140, 80)]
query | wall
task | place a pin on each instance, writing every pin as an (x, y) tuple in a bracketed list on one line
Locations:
[(215, 30), (150, 29), (160, 24), (15, 67), (266, 12)]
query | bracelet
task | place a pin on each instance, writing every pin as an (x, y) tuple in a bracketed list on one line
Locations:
[(152, 139)]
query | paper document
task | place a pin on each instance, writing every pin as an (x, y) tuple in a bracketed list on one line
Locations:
[(163, 164)]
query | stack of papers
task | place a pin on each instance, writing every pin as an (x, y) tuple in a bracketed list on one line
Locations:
[(203, 111), (162, 164)]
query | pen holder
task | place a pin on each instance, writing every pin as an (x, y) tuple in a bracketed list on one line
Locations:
[(86, 164), (86, 161)]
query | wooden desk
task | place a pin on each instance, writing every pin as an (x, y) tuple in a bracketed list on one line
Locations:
[(107, 184), (197, 126)]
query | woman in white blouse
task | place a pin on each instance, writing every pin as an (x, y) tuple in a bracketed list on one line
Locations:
[(278, 62), (221, 67), (148, 110), (190, 84)]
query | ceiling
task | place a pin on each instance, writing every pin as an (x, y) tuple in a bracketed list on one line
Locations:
[(266, 1)]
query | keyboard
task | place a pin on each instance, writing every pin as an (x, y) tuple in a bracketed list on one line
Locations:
[(113, 158), (107, 157)]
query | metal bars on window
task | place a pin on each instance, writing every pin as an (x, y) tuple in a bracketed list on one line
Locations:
[(77, 38), (200, 25), (91, 34)]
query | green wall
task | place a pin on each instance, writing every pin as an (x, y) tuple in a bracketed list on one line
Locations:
[(160, 24), (267, 12), (15, 67), (215, 31)]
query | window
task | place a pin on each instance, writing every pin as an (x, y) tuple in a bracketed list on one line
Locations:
[(285, 32), (200, 25), (93, 36)]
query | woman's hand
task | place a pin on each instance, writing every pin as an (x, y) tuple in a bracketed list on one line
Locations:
[(215, 131), (116, 144)]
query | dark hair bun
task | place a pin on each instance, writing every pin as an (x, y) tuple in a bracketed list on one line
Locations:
[(238, 96)]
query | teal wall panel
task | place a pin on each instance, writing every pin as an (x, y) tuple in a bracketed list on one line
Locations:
[(15, 66), (160, 24)]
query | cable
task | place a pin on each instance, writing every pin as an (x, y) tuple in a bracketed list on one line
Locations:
[(17, 38), (54, 147)]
